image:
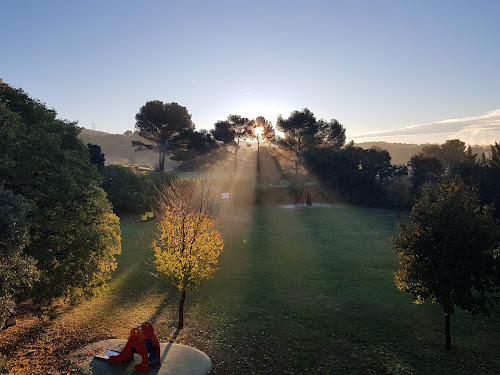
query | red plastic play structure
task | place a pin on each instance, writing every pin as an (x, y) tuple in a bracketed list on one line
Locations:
[(144, 342), (306, 197)]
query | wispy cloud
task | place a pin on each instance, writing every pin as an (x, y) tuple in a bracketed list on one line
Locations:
[(484, 129), (248, 93)]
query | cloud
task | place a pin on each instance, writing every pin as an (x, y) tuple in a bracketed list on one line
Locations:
[(484, 129), (248, 93)]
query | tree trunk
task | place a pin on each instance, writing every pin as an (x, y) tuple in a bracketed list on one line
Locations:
[(161, 153), (236, 159), (181, 310), (447, 331), (161, 161), (258, 163)]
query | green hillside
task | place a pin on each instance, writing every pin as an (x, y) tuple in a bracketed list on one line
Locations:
[(117, 148)]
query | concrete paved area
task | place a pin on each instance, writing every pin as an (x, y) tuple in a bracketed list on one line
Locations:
[(176, 359), (303, 205)]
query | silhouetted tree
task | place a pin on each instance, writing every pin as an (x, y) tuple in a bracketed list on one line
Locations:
[(432, 150), (470, 169), (262, 131), (353, 172), (450, 153), (300, 130), (495, 155), (96, 156), (231, 131), (447, 252), (162, 123), (331, 133), (193, 144), (424, 170), (481, 174), (303, 133)]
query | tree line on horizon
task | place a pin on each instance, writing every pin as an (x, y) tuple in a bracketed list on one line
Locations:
[(59, 234), (306, 145)]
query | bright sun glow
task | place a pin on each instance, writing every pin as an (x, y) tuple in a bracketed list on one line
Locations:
[(258, 131)]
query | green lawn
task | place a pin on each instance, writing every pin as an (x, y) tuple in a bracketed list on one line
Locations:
[(305, 292)]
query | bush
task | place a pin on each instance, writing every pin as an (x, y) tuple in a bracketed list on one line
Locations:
[(131, 191), (74, 234)]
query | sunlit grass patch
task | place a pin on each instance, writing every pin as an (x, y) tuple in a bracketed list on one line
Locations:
[(298, 292)]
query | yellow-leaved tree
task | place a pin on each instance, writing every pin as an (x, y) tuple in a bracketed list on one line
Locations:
[(188, 246)]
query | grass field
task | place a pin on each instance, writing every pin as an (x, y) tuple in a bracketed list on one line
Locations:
[(298, 292)]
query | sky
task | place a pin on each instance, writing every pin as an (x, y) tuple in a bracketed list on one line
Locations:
[(395, 71)]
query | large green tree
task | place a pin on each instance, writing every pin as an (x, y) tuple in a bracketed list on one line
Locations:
[(449, 153), (194, 144), (163, 124), (18, 271), (448, 253), (74, 233)]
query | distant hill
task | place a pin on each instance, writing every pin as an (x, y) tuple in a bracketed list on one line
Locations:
[(401, 153), (117, 148)]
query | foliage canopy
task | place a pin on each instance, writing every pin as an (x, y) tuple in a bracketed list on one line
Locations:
[(449, 252), (164, 124), (74, 234), (17, 269), (187, 249), (303, 133), (231, 132)]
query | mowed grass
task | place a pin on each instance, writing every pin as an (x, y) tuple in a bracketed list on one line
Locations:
[(311, 291), (306, 291)]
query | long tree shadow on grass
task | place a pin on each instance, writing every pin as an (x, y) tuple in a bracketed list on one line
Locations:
[(284, 318), (376, 321)]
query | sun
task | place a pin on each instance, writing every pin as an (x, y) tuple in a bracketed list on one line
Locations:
[(258, 131)]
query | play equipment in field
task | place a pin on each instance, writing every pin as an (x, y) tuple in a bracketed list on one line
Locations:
[(148, 215), (306, 198), (142, 341)]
